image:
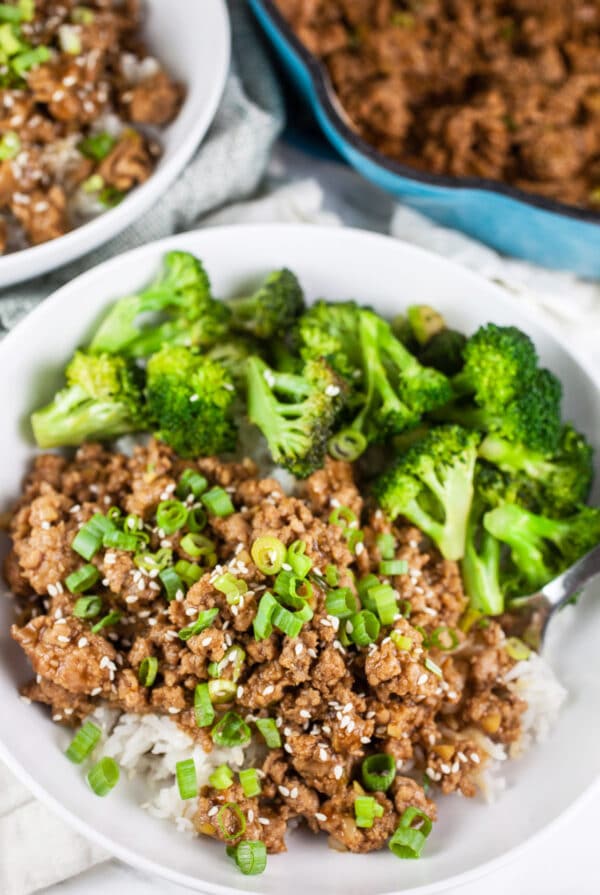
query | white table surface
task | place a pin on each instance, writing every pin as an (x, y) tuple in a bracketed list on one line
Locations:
[(564, 862)]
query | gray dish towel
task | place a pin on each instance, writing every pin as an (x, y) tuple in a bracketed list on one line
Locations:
[(228, 166)]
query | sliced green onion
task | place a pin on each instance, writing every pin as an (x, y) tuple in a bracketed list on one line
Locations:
[(364, 587), (83, 742), (188, 571), (187, 781), (221, 777), (104, 776), (87, 607), (250, 855), (516, 649), (234, 809), (93, 184), (69, 40), (82, 15), (347, 445), (268, 729), (218, 502), (406, 841), (221, 691), (363, 628), (366, 809), (344, 517), (353, 537), (197, 519), (204, 620), (401, 641), (30, 59), (262, 623), (287, 621), (9, 13), (288, 584), (231, 730), (10, 146), (233, 588), (444, 638), (147, 671), (405, 608), (341, 602), (158, 561), (88, 539), (82, 579), (172, 583), (250, 782), (171, 515), (97, 146), (133, 522), (386, 544), (121, 540), (385, 598), (191, 482), (111, 619), (268, 555), (234, 656), (203, 707), (378, 771), (430, 665), (297, 559), (198, 545), (393, 567), (332, 576)]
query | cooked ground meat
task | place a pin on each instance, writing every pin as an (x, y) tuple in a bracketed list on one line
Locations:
[(333, 704), (93, 81), (502, 90)]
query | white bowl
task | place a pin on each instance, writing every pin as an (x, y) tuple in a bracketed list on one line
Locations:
[(471, 837), (193, 41)]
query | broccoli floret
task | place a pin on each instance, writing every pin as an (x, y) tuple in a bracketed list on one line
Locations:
[(499, 362), (556, 482), (532, 418), (541, 547), (480, 565), (295, 412), (190, 399), (177, 309), (330, 330), (233, 355), (444, 351), (431, 485), (102, 400), (272, 309), (425, 322)]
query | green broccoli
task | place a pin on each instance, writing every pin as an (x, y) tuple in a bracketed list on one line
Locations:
[(425, 322), (295, 412), (176, 309), (190, 400), (102, 400), (541, 547), (233, 354), (499, 362), (272, 310), (444, 351), (330, 330), (481, 564), (431, 485), (556, 482)]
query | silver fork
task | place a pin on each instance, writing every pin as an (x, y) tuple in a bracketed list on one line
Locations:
[(536, 611)]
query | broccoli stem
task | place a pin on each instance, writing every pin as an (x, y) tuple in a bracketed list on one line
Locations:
[(73, 418), (525, 533), (480, 571)]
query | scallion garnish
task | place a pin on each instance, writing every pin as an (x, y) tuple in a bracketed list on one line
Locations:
[(172, 583), (10, 146), (83, 743), (147, 671), (385, 598), (366, 809), (121, 540), (197, 545), (29, 59), (104, 776), (268, 554), (82, 579), (344, 517), (516, 649), (363, 628), (430, 665), (203, 707), (393, 567), (386, 544), (187, 781), (204, 620), (222, 821), (87, 607), (268, 729), (378, 771), (88, 539), (111, 619), (231, 730), (221, 777), (233, 588), (97, 146), (262, 624), (341, 602), (407, 842), (197, 519), (235, 657), (158, 561), (401, 641), (250, 782), (191, 482), (250, 855), (218, 502), (297, 559), (444, 638), (188, 571), (347, 445), (364, 587), (221, 691), (171, 515), (354, 537), (287, 621), (332, 576), (288, 584)]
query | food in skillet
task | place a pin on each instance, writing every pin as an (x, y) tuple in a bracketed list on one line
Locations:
[(81, 102), (506, 91), (328, 647)]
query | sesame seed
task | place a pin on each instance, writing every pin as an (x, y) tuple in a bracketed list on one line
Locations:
[(422, 680), (365, 740), (83, 641), (323, 754), (304, 713), (264, 821), (268, 690), (475, 757), (250, 815), (132, 598), (212, 811), (299, 649), (173, 710), (338, 772), (63, 639), (283, 790), (320, 817), (445, 768), (96, 691), (288, 748), (294, 792), (45, 525)]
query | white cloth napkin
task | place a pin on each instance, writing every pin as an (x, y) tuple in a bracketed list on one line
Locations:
[(36, 849)]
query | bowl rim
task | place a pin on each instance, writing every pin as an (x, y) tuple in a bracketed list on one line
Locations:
[(16, 267), (133, 858), (331, 107)]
